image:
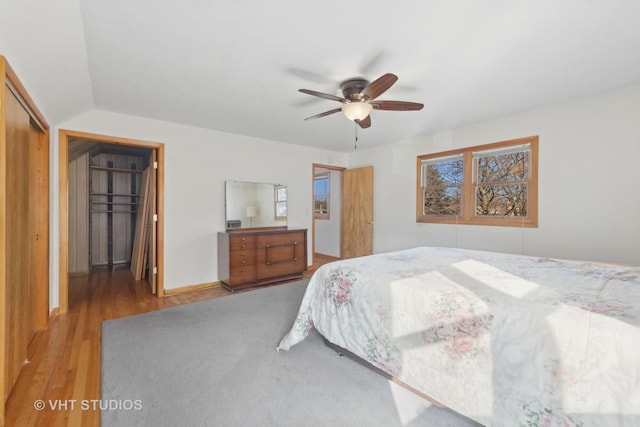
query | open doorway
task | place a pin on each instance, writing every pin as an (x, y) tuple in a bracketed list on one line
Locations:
[(327, 211), (111, 208)]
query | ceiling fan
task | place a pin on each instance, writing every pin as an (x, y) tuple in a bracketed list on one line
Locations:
[(359, 98)]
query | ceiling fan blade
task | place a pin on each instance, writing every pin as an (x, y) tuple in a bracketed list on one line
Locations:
[(323, 95), (379, 86), (326, 113), (365, 123), (396, 105)]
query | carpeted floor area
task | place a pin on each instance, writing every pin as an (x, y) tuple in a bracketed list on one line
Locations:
[(214, 363)]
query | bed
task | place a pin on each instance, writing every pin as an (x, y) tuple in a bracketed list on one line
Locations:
[(502, 339)]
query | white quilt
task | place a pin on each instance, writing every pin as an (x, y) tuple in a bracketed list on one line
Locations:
[(506, 340)]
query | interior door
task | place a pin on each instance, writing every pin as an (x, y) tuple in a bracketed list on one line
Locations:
[(25, 238), (153, 223), (356, 237), (16, 231), (39, 228)]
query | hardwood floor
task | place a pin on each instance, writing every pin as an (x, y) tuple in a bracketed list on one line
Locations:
[(64, 361), (320, 259)]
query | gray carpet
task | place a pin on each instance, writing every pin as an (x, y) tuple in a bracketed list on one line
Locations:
[(214, 363)]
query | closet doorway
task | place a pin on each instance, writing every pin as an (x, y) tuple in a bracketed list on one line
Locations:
[(111, 208)]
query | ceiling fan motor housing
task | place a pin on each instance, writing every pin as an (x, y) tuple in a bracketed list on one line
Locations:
[(352, 88)]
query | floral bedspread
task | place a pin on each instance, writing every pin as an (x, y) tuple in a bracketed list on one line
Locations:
[(507, 340)]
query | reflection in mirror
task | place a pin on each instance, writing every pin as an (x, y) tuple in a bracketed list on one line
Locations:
[(254, 204)]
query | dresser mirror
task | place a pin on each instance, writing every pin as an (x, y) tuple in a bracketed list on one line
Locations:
[(255, 204)]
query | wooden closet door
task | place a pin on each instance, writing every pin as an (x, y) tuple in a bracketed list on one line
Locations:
[(24, 227), (18, 320), (356, 235), (38, 229)]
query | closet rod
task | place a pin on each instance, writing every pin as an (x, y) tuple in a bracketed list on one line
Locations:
[(114, 194), (115, 203), (108, 211), (108, 169)]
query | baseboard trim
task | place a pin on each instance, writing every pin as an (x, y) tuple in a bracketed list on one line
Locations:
[(191, 288), (54, 313)]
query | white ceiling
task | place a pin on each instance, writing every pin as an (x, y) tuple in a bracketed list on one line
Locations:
[(237, 66)]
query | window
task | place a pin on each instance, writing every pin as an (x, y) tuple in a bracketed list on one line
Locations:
[(321, 195), (280, 195), (492, 184), (443, 185)]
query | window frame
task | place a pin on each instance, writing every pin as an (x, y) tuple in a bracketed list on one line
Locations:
[(322, 175), (467, 209), (277, 201)]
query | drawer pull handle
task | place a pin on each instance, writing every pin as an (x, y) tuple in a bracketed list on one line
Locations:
[(268, 262), (242, 246), (267, 245), (244, 262), (243, 270), (243, 239), (295, 259)]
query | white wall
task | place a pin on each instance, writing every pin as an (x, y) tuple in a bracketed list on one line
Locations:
[(589, 183), (197, 163)]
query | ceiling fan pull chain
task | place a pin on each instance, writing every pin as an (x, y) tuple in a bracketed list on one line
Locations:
[(355, 144)]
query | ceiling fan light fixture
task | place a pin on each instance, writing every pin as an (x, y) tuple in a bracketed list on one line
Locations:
[(357, 110), (360, 97)]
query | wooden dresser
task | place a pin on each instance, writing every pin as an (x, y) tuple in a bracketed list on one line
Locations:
[(251, 258)]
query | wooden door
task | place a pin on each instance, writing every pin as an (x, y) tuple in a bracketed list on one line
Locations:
[(27, 236), (153, 222), (38, 229), (24, 222), (356, 236), (18, 313), (144, 258), (140, 245)]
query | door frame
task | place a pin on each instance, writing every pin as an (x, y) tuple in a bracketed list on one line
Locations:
[(64, 136), (313, 216)]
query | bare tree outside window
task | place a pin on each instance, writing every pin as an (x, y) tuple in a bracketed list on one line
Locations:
[(443, 187), (501, 184), (491, 184)]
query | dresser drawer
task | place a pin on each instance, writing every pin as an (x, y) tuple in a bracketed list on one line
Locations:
[(242, 258), (281, 257), (281, 267), (276, 254), (239, 275), (241, 241), (289, 238)]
